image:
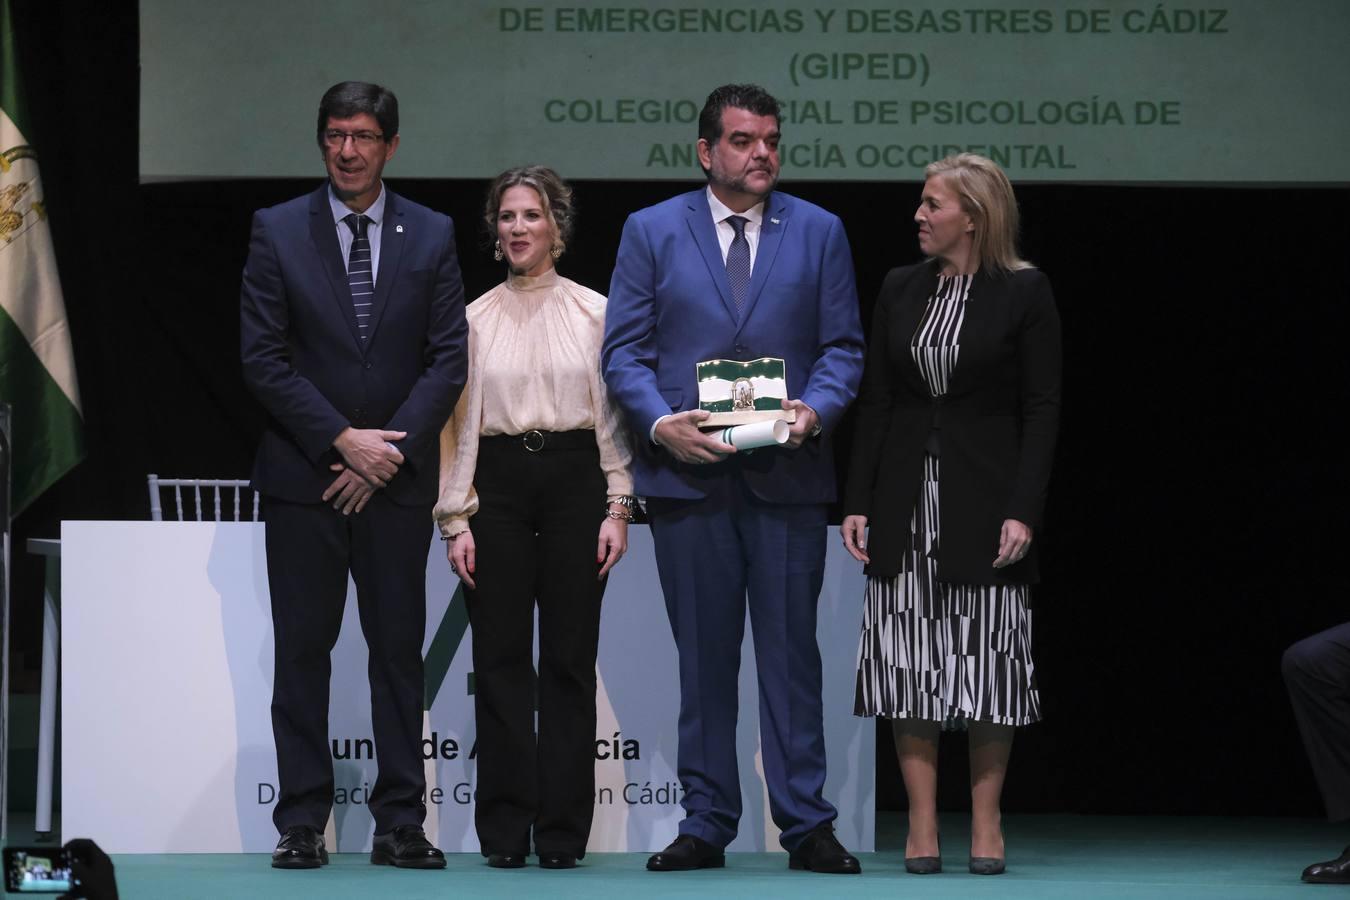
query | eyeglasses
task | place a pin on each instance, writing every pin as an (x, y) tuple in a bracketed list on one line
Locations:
[(364, 139)]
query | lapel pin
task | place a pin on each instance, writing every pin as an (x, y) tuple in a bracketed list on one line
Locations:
[(773, 220), (398, 228)]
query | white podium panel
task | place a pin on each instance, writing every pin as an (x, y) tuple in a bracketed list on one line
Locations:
[(166, 671)]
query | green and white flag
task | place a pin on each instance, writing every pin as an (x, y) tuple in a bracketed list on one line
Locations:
[(739, 392), (37, 368)]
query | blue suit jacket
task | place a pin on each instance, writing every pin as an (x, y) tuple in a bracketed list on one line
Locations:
[(304, 360), (670, 307)]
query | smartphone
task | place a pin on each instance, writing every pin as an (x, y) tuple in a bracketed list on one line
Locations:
[(34, 870)]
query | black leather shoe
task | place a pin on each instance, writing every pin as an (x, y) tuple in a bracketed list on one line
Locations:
[(1333, 871), (506, 860), (986, 865), (406, 847), (557, 860), (821, 851), (300, 847), (687, 852), (923, 865)]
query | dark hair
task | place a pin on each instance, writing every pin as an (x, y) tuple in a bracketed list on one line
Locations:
[(750, 97), (351, 98), (555, 193)]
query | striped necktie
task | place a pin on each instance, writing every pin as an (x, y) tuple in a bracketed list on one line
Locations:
[(738, 261), (360, 275)]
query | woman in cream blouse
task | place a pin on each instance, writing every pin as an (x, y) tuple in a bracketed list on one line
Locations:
[(535, 502)]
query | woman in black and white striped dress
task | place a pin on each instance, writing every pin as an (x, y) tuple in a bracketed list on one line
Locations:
[(951, 459)]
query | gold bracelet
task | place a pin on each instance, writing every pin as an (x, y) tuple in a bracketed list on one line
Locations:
[(619, 516)]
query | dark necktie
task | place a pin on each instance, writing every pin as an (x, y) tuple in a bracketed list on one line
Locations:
[(359, 271), (738, 261)]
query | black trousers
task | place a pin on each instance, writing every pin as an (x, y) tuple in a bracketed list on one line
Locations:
[(1317, 674), (310, 550), (536, 532)]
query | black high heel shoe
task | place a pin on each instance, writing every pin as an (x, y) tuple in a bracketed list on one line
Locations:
[(925, 865), (988, 865)]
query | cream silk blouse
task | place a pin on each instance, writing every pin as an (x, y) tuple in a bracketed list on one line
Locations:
[(534, 363)]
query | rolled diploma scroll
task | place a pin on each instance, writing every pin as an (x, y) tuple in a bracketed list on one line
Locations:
[(756, 434)]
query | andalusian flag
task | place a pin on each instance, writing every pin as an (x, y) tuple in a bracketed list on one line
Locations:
[(37, 368)]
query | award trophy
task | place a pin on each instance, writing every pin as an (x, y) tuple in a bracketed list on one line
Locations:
[(745, 400)]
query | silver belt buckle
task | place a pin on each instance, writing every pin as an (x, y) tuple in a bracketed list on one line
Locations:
[(533, 440)]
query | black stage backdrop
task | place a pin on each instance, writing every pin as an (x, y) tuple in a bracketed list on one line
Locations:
[(1200, 493)]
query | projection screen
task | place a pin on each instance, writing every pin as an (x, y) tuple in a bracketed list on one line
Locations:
[(1105, 91)]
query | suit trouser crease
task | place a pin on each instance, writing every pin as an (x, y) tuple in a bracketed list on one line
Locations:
[(535, 536), (311, 548), (711, 554), (1317, 675)]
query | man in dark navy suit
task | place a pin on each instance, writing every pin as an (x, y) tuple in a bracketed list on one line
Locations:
[(1317, 675), (739, 271), (354, 340)]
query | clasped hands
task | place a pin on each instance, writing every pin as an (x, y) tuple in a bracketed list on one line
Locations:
[(679, 433), (369, 461), (1013, 542)]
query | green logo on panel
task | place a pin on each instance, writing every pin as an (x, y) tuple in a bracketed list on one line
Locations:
[(441, 653)]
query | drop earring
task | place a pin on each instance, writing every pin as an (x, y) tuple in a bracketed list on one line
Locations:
[(497, 251)]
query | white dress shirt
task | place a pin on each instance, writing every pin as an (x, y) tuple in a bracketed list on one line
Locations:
[(375, 213), (726, 234)]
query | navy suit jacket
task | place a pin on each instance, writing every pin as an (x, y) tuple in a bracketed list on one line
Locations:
[(670, 307), (304, 360)]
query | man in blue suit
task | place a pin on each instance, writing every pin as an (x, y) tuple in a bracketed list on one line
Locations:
[(738, 271), (354, 340)]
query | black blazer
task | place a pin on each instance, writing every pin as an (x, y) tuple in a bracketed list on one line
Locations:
[(304, 360), (997, 423)]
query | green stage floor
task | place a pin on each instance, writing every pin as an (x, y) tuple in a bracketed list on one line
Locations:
[(1050, 857)]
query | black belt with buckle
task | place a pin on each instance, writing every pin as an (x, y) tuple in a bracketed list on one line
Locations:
[(535, 440)]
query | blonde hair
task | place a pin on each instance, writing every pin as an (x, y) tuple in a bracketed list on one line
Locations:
[(555, 194), (987, 197)]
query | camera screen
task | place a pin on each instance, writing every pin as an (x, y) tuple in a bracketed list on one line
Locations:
[(36, 871)]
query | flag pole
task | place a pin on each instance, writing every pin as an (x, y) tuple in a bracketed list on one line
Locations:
[(4, 619)]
